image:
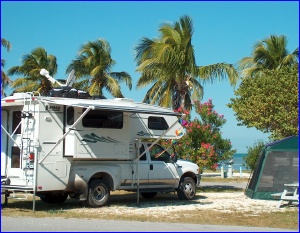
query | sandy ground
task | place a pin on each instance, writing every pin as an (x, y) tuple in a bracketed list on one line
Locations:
[(225, 202)]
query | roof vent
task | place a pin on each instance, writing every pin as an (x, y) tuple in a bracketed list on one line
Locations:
[(123, 99)]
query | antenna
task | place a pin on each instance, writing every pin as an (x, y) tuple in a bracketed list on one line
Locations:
[(45, 73), (71, 78)]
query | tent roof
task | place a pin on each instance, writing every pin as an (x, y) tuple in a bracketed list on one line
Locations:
[(289, 143)]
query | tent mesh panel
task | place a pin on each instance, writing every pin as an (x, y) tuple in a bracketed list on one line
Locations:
[(279, 168)]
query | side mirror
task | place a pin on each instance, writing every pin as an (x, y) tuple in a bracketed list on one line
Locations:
[(173, 158)]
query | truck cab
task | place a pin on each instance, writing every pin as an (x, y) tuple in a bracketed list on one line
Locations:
[(155, 170), (167, 173)]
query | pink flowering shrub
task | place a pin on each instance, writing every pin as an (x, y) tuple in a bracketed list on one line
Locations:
[(203, 143)]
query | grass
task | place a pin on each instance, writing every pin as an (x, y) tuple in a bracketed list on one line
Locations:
[(23, 208), (226, 180)]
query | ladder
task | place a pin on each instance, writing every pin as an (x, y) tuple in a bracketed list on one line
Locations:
[(26, 155), (27, 140)]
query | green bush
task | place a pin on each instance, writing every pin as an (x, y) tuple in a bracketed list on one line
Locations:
[(253, 153)]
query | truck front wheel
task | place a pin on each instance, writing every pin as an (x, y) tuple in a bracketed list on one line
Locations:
[(186, 189), (98, 194)]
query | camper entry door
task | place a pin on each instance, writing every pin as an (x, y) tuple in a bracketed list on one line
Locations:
[(14, 166), (4, 138)]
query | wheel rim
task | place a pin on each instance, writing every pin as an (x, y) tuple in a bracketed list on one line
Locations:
[(99, 193), (188, 189)]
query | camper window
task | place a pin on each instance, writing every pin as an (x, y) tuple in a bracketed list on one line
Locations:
[(16, 121), (70, 115), (15, 157), (103, 119), (157, 123)]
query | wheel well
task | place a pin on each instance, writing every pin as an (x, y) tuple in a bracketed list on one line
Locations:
[(189, 174), (105, 178)]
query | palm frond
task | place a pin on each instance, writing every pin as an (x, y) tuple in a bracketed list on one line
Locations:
[(218, 71), (113, 87), (94, 63), (6, 44), (170, 61)]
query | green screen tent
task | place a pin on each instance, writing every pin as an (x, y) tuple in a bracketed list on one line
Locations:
[(278, 164)]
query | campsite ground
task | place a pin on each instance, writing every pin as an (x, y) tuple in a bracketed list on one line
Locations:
[(218, 201)]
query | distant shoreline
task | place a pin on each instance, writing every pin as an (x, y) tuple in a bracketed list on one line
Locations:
[(239, 162)]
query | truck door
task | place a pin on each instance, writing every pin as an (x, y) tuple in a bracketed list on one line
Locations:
[(143, 169), (4, 138), (161, 171)]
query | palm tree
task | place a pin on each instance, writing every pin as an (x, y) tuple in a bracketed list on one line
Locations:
[(269, 54), (168, 64), (5, 80), (93, 66), (30, 69)]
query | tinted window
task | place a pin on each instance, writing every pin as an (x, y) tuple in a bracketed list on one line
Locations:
[(15, 157), (70, 116), (142, 149), (157, 153), (16, 121), (103, 119), (157, 123)]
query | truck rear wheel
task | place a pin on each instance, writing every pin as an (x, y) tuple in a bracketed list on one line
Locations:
[(186, 189), (98, 194), (149, 195)]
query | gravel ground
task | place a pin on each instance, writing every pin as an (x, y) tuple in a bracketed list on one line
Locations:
[(221, 202), (225, 202)]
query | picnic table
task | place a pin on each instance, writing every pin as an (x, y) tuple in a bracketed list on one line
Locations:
[(290, 194)]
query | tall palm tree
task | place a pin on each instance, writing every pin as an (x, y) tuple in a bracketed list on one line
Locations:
[(168, 64), (269, 54), (5, 80), (30, 69), (93, 69)]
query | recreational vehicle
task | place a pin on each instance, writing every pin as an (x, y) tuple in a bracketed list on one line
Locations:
[(56, 147)]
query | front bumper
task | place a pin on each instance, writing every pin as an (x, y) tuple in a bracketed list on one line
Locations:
[(198, 180)]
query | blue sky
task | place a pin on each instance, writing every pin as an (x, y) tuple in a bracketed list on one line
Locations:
[(223, 32)]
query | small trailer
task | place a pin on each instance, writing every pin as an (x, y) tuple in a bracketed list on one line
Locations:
[(55, 148)]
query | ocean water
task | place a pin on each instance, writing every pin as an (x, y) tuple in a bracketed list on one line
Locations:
[(238, 162)]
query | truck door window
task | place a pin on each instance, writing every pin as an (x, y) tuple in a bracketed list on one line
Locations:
[(157, 153), (142, 149), (157, 123)]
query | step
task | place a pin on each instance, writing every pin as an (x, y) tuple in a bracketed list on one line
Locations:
[(21, 188)]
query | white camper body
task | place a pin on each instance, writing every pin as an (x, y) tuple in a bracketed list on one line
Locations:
[(58, 147)]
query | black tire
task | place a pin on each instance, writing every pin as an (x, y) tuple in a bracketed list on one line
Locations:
[(98, 194), (149, 195), (54, 198), (186, 189)]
